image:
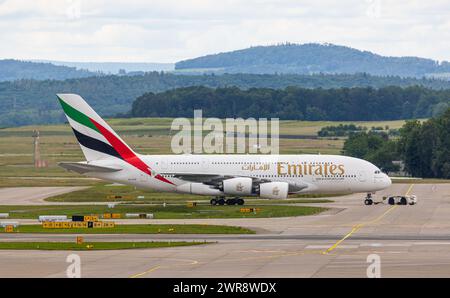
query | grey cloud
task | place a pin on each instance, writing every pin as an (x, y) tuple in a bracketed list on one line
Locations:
[(170, 30)]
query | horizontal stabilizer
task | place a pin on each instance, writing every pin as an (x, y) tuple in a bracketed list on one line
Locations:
[(82, 167)]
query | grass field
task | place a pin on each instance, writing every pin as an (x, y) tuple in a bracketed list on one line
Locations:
[(91, 245), (103, 193), (128, 194), (312, 127), (145, 135), (139, 229), (160, 212)]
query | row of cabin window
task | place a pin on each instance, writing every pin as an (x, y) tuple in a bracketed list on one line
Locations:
[(266, 176), (244, 163), (326, 176), (255, 163)]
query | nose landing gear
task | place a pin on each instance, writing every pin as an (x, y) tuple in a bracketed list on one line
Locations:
[(368, 200)]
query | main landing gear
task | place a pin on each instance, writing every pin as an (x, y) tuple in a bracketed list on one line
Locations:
[(368, 200), (222, 201)]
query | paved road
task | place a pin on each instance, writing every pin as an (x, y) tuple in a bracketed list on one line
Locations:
[(412, 241), (32, 195)]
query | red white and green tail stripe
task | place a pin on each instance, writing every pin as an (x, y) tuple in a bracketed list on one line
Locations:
[(97, 139)]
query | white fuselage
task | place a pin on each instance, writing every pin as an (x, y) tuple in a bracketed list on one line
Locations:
[(313, 173)]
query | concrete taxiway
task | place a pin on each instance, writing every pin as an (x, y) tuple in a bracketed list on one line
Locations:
[(411, 241), (32, 195)]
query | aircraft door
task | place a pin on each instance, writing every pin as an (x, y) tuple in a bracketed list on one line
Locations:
[(205, 164), (164, 165), (362, 176), (143, 177)]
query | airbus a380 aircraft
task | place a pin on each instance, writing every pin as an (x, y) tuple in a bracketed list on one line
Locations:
[(219, 176)]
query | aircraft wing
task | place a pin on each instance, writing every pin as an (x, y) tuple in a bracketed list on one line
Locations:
[(209, 179), (82, 168), (216, 179)]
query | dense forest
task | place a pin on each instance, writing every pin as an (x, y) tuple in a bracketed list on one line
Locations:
[(11, 70), (313, 58), (344, 104), (34, 102), (374, 147), (423, 147)]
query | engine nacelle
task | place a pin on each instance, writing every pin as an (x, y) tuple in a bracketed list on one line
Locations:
[(240, 186), (274, 190)]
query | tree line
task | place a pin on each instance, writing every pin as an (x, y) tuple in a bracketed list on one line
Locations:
[(423, 147), (25, 102), (12, 70), (340, 130), (294, 103)]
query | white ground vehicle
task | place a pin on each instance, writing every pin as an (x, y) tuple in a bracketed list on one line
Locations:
[(400, 200)]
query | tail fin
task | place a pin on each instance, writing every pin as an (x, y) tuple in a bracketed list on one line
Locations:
[(97, 139)]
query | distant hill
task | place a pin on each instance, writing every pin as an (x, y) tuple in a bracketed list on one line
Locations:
[(11, 70), (314, 58), (34, 102), (115, 67)]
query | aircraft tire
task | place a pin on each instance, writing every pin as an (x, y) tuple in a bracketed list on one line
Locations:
[(368, 202), (230, 201)]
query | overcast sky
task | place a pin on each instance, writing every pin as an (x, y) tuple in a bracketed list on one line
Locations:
[(168, 31)]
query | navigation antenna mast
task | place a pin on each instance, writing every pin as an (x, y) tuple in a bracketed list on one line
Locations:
[(38, 163), (36, 153)]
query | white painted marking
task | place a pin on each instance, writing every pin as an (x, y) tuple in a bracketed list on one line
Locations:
[(385, 244), (326, 246)]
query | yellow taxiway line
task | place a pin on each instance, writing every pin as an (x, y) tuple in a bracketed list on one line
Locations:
[(354, 230), (145, 272), (190, 262), (409, 189), (357, 227)]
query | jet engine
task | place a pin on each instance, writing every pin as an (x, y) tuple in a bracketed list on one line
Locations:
[(274, 190), (240, 186)]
